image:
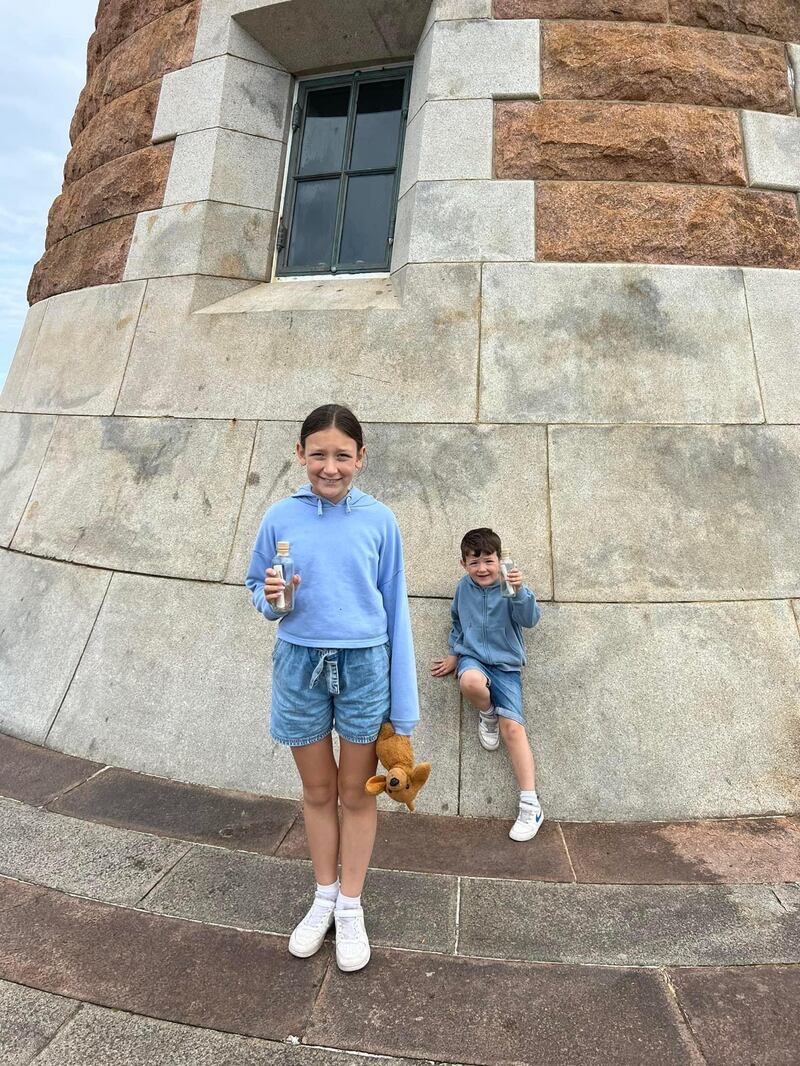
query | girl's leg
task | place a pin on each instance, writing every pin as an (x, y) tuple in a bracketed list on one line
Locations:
[(357, 762), (519, 752), (317, 768)]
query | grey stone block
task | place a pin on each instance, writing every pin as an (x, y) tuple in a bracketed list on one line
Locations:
[(218, 33), (272, 895), (675, 513), (222, 240), (773, 300), (445, 10), (772, 150), (114, 865), (563, 342), (81, 350), (281, 365), (22, 356), (23, 443), (652, 711), (30, 1020), (233, 168), (794, 63), (447, 140), (465, 221), (149, 495), (439, 483), (224, 91), (46, 614), (622, 925)]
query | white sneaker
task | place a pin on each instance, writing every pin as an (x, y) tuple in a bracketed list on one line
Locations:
[(528, 822), (489, 731), (352, 942), (307, 936)]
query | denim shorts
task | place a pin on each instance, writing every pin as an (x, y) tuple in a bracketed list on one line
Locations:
[(505, 687), (317, 689)]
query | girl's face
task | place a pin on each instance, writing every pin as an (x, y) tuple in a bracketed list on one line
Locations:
[(331, 460)]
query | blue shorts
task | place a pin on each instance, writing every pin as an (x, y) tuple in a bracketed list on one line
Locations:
[(505, 687), (315, 689)]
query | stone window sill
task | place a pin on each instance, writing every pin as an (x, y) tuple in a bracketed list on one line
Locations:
[(330, 294)]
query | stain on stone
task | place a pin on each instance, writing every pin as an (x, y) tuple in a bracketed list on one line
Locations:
[(254, 478), (150, 455)]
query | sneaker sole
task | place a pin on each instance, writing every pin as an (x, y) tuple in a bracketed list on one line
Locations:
[(352, 967), (305, 953), (488, 747), (533, 834)]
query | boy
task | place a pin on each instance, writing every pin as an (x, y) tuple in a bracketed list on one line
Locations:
[(487, 653)]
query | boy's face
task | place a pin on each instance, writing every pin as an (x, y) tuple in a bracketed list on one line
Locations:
[(484, 569)]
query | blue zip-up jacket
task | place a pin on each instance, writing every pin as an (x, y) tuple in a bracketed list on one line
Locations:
[(353, 590), (488, 627)]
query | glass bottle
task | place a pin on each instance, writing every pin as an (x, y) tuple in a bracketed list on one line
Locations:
[(283, 565), (506, 588)]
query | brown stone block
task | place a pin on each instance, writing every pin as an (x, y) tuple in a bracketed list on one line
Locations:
[(159, 47), (132, 183), (669, 64), (613, 10), (766, 18), (604, 222), (119, 19), (125, 125), (622, 142), (94, 256)]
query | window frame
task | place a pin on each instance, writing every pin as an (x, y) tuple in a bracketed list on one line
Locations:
[(354, 78)]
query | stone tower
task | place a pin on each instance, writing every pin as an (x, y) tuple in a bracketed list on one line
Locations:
[(588, 339)]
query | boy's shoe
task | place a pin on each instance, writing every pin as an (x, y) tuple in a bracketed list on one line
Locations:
[(528, 822), (352, 942), (307, 936), (488, 731)]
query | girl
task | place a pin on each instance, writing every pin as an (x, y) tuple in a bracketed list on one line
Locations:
[(344, 658)]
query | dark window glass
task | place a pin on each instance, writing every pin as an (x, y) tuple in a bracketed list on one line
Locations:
[(344, 171)]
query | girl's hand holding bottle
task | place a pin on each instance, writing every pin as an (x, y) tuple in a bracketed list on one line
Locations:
[(274, 585)]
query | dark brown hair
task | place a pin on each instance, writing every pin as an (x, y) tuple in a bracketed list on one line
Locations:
[(333, 414), (481, 541)]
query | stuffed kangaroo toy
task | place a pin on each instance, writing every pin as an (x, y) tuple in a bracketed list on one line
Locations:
[(402, 780)]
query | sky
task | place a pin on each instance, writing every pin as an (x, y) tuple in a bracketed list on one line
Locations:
[(42, 71)]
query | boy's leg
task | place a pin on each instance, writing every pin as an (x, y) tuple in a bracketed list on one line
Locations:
[(519, 752), (475, 688)]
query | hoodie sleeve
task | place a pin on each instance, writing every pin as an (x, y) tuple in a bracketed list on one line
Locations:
[(456, 631), (263, 553), (524, 608), (404, 713)]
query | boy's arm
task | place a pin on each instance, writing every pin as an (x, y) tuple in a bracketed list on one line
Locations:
[(524, 608), (456, 630)]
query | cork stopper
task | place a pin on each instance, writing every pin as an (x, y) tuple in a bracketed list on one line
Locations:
[(283, 547)]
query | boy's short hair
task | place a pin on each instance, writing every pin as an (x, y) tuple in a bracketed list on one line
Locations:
[(482, 541)]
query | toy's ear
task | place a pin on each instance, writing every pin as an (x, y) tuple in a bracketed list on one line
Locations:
[(376, 785), (420, 774)]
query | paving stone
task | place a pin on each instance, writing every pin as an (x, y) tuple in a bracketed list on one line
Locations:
[(465, 221), (46, 615), (772, 147), (625, 10), (618, 142), (30, 1020), (23, 443), (176, 488), (37, 775), (90, 257), (236, 820), (773, 301), (403, 909), (768, 18), (81, 351), (733, 850), (219, 164), (613, 343), (176, 369), (405, 470), (657, 512), (515, 1015), (117, 866), (164, 968), (670, 64), (742, 1014), (619, 695), (113, 1038), (476, 847), (661, 223), (647, 925), (22, 356)]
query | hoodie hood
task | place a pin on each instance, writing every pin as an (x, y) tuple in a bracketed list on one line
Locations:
[(354, 498)]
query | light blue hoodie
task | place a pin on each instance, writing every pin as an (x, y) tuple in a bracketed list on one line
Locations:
[(353, 590), (488, 627)]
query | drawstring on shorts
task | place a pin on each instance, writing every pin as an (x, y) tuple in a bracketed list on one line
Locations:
[(329, 661)]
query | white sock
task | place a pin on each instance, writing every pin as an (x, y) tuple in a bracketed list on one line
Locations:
[(329, 892), (347, 903), (529, 796), (490, 713)]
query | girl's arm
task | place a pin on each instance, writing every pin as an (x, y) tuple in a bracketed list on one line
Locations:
[(404, 713), (260, 560), (524, 608)]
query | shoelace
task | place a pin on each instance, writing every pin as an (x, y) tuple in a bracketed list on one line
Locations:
[(317, 916), (349, 926)]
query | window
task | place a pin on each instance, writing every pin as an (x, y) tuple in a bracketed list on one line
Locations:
[(344, 172)]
